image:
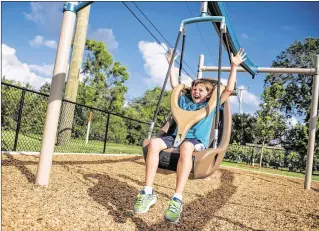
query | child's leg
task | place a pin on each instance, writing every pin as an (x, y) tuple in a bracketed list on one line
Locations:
[(146, 197), (184, 165), (155, 146)]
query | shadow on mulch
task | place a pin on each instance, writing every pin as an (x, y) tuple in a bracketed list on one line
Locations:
[(254, 176), (21, 165), (118, 197), (13, 161)]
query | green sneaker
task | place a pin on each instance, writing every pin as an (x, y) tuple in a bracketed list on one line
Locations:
[(144, 201), (174, 210)]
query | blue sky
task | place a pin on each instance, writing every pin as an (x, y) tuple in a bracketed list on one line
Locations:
[(30, 33)]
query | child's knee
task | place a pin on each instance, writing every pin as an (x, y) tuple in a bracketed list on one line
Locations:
[(155, 144), (186, 149)]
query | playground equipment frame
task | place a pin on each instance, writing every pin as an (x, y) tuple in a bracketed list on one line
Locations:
[(59, 74), (314, 102)]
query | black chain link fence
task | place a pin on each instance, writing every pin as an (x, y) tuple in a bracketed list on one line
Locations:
[(23, 113)]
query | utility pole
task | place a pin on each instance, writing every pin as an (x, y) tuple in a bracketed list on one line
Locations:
[(72, 84), (240, 100), (240, 97)]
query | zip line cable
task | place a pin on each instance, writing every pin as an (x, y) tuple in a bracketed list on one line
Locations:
[(227, 43), (161, 35), (152, 24), (157, 39), (201, 34)]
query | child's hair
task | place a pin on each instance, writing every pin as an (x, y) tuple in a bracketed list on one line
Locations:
[(208, 84)]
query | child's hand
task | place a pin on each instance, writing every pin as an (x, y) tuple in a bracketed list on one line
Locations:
[(239, 58)]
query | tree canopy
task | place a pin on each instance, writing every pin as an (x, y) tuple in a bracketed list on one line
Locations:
[(103, 85), (297, 88)]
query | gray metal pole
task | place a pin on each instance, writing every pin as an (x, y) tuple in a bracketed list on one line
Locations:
[(55, 99), (240, 98), (200, 65), (240, 101), (311, 71), (203, 8), (314, 105), (312, 126)]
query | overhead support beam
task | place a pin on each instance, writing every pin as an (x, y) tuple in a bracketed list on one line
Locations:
[(310, 71)]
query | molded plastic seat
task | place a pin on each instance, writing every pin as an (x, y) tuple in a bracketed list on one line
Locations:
[(207, 161)]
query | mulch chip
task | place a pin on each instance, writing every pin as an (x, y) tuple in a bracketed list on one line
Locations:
[(98, 192)]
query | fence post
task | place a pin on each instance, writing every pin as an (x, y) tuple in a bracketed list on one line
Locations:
[(88, 129), (19, 121), (106, 130)]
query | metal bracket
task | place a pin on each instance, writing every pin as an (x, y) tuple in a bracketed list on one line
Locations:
[(203, 9), (69, 6), (223, 28), (177, 140)]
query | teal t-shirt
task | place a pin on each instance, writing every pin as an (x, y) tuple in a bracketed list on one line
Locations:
[(200, 130)]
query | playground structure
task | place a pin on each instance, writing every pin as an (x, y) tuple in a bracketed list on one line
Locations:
[(214, 8)]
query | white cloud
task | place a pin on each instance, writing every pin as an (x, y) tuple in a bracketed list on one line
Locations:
[(36, 13), (293, 121), (51, 44), (222, 80), (250, 99), (288, 28), (46, 14), (45, 69), (245, 36), (38, 41), (35, 75), (105, 35), (250, 102), (13, 68), (156, 65)]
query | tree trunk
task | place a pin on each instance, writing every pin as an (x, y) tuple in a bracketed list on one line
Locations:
[(261, 155), (71, 89)]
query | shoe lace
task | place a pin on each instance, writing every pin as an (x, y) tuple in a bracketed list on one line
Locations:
[(140, 199), (174, 206)]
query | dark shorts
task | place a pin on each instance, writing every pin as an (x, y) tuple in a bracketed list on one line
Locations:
[(169, 141)]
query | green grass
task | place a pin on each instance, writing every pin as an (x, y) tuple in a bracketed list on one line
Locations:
[(32, 143), (315, 175)]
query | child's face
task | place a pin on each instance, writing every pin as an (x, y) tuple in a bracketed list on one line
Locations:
[(200, 93)]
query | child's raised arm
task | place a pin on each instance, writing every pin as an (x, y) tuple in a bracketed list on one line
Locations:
[(235, 61), (173, 78)]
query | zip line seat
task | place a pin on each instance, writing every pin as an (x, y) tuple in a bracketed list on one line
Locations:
[(207, 161)]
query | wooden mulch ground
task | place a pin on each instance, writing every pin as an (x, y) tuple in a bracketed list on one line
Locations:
[(97, 193)]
